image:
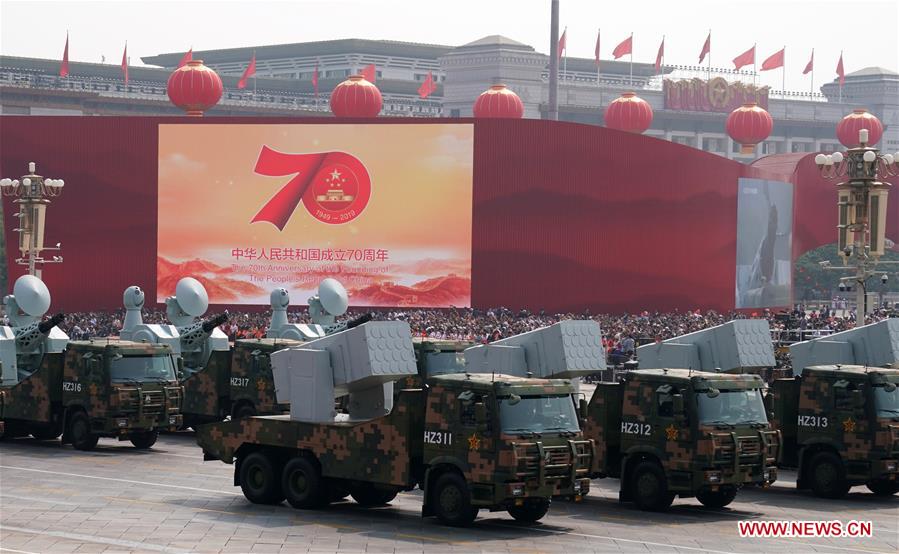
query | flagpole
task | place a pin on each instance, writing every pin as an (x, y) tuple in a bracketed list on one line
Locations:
[(841, 81), (565, 54), (598, 55), (553, 111), (632, 60), (783, 86), (755, 69), (811, 91), (709, 56)]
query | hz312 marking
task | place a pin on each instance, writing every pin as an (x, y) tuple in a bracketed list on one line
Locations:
[(631, 428)]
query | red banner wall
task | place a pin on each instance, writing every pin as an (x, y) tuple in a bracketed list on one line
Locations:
[(566, 216)]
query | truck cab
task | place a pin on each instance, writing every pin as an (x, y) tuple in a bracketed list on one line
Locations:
[(841, 428), (678, 432)]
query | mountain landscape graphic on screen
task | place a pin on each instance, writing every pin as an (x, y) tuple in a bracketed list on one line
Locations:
[(334, 186), (386, 209)]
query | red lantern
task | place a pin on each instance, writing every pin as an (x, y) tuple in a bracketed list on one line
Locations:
[(849, 126), (498, 101), (194, 88), (749, 125), (356, 97), (629, 113)]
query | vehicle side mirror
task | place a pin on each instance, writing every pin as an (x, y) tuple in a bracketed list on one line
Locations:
[(583, 408)]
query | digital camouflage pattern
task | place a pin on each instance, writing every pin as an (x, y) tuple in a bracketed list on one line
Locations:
[(425, 434), (635, 420), (832, 408), (79, 379)]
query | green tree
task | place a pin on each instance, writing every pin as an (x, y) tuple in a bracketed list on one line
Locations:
[(811, 281)]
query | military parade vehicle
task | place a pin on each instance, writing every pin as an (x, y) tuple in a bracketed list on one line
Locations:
[(82, 390), (840, 423), (469, 441)]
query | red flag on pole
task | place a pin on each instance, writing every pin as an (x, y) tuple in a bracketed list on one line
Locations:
[(562, 42), (775, 60), (248, 72), (125, 63), (625, 47), (188, 56), (315, 80), (64, 66), (744, 59), (369, 73), (428, 87), (810, 66), (706, 48), (596, 50), (660, 55), (840, 71)]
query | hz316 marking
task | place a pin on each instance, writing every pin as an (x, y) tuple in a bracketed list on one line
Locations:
[(69, 386)]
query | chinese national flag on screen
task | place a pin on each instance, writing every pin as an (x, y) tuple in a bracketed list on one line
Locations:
[(744, 59), (64, 66), (369, 73), (660, 55), (125, 63), (625, 47), (810, 66), (562, 42), (315, 80), (706, 48), (596, 50), (774, 61), (248, 72), (428, 87), (840, 72), (188, 56)]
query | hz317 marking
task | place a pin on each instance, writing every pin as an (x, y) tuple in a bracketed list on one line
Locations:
[(631, 428), (812, 421), (240, 381), (443, 438)]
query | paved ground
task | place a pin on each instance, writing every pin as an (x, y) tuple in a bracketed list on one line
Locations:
[(117, 499)]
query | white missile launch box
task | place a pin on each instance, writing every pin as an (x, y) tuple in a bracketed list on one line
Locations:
[(738, 345), (362, 362), (27, 339), (564, 350), (874, 345)]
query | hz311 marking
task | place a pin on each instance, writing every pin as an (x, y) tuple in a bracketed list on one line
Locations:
[(443, 438)]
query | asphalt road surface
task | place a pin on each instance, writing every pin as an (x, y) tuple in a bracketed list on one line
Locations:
[(118, 499)]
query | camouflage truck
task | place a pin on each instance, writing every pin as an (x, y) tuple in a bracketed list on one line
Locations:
[(840, 428), (469, 441), (236, 383), (678, 432), (93, 389)]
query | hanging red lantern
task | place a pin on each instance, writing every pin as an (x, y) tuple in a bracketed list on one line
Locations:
[(629, 113), (356, 97), (194, 88), (498, 101), (749, 125), (860, 118)]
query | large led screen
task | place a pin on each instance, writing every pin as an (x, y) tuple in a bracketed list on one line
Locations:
[(385, 209)]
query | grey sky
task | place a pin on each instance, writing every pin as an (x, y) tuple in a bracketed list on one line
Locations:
[(864, 29)]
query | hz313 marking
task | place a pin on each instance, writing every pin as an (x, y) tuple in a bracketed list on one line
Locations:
[(812, 421)]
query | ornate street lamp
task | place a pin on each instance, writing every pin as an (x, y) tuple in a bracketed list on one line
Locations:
[(32, 195), (862, 203)]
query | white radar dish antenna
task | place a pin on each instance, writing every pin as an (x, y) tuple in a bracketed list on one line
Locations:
[(333, 296), (191, 296), (32, 295)]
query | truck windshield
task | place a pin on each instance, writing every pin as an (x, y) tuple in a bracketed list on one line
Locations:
[(887, 403), (538, 414), (442, 363), (732, 407), (142, 368)]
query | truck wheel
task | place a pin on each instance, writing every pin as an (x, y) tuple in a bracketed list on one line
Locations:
[(827, 477), (367, 494), (530, 512), (144, 440), (716, 499), (302, 484), (883, 487), (452, 501), (244, 410), (258, 480), (651, 488), (80, 432)]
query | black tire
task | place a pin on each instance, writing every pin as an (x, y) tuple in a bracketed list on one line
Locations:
[(259, 480), (44, 433), (367, 494), (716, 499), (650, 488), (883, 487), (80, 432), (452, 501), (244, 410), (302, 484), (530, 512), (827, 476), (144, 440)]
